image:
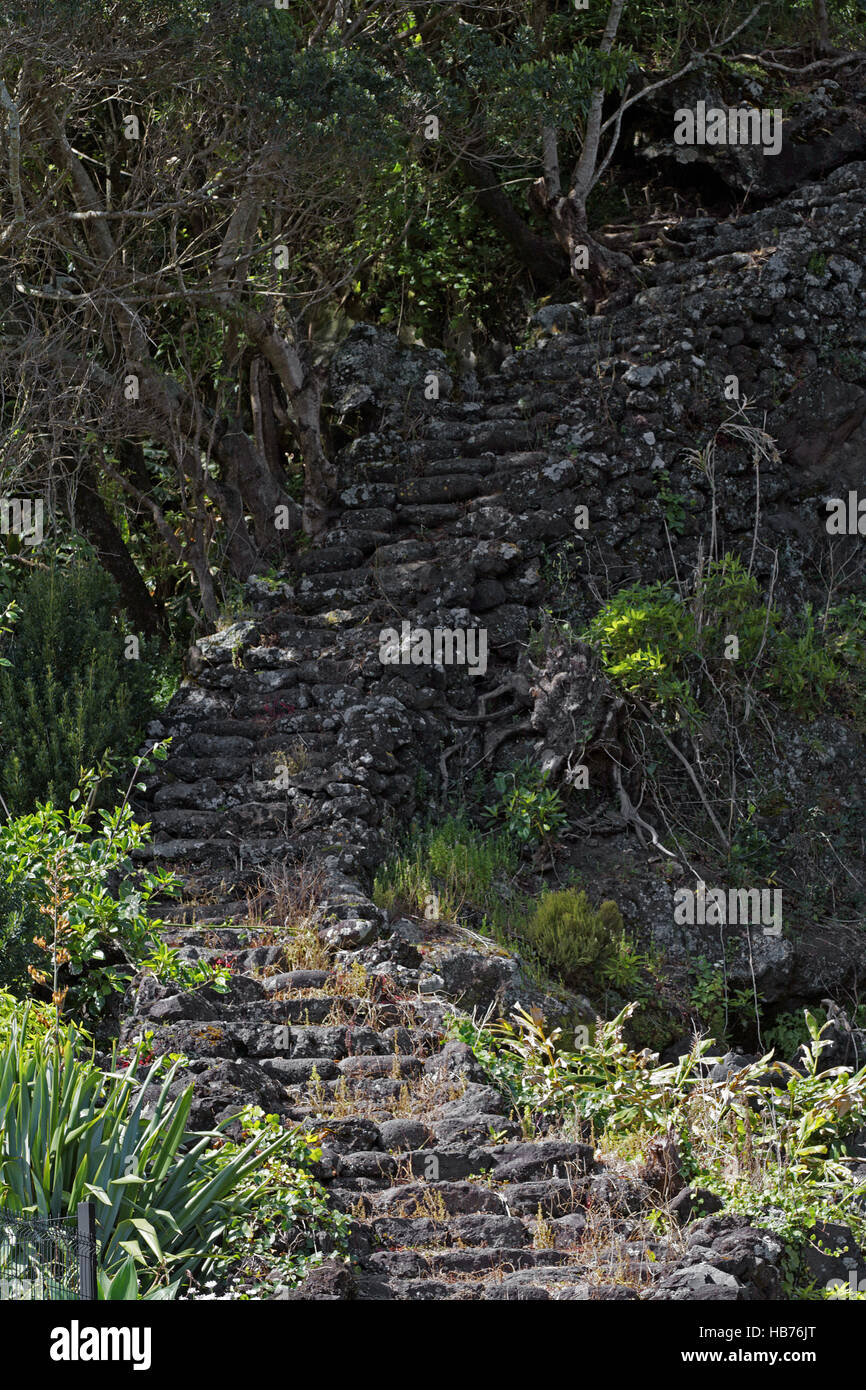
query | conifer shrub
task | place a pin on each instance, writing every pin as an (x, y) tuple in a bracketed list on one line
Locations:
[(69, 695), (574, 939)]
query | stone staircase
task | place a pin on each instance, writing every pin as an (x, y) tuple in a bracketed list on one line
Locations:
[(447, 1198), (291, 737), (296, 750)]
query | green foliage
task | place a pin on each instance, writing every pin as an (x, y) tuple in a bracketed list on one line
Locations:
[(645, 634), (672, 654), (20, 921), (576, 941), (69, 694), (69, 1133), (283, 1225), (804, 672), (623, 967), (446, 866), (673, 504), (789, 1031), (448, 269), (717, 1007), (531, 810), (728, 599), (123, 1286), (751, 853), (776, 1153), (72, 872), (31, 1022)]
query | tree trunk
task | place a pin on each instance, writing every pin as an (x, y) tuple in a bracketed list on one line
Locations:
[(320, 475), (590, 261), (245, 472), (822, 24), (93, 520), (541, 255)]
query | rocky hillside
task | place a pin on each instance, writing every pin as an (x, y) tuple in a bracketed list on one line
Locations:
[(514, 502)]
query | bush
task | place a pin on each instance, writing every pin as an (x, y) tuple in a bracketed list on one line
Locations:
[(530, 809), (659, 649), (804, 673), (573, 939), (71, 873), (69, 694), (68, 1132), (20, 921), (645, 633), (285, 1224), (772, 1140), (730, 601), (29, 1022)]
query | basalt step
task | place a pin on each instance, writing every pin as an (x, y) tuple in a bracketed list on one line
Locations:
[(447, 1200)]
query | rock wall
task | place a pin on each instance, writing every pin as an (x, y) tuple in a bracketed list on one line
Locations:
[(291, 738)]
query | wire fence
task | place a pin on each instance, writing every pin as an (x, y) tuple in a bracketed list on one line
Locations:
[(51, 1259)]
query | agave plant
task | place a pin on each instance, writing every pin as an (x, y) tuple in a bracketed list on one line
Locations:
[(70, 1132), (123, 1286)]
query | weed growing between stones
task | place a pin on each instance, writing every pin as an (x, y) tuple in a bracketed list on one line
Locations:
[(770, 1141), (445, 867)]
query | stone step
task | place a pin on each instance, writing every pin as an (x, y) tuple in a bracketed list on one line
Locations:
[(215, 850), (260, 816), (452, 1197), (219, 915), (411, 1264), (478, 1229)]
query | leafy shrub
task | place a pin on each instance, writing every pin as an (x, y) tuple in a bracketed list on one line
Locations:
[(32, 1020), (284, 1224), (660, 649), (645, 633), (77, 880), (573, 939), (68, 694), (20, 921), (729, 601), (804, 1121), (777, 1154), (718, 1007), (531, 810), (803, 672)]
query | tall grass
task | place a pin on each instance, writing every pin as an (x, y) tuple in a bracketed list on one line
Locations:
[(452, 865)]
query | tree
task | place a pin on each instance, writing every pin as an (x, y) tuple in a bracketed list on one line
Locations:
[(168, 234)]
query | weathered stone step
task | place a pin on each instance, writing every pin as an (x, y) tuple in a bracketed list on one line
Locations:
[(452, 1197), (477, 1229), (527, 1161), (360, 538), (432, 517), (314, 1010), (475, 437), (251, 815), (215, 850), (333, 590), (445, 487), (411, 1264)]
